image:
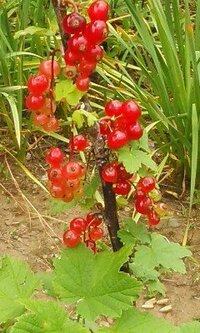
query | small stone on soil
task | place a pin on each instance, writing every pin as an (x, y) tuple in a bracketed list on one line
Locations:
[(163, 301), (166, 308)]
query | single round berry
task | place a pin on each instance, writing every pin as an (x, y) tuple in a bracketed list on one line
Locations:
[(139, 195), (78, 44), (134, 131), (144, 206), (86, 68), (78, 224), (46, 68), (34, 102), (71, 238), (83, 83), (52, 124), (96, 234), (146, 184), (72, 185), (109, 174), (71, 170), (68, 196), (113, 108), (93, 220), (55, 175), (122, 188), (91, 245), (79, 143), (94, 53), (54, 156), (123, 174), (74, 23), (99, 10), (153, 218), (38, 84), (40, 119), (57, 190), (71, 58), (117, 139), (131, 111), (96, 32)]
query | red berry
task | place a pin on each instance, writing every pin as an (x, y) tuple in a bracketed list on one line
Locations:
[(38, 84), (96, 234), (120, 123), (83, 169), (123, 174), (105, 126), (139, 195), (131, 111), (93, 220), (91, 245), (72, 185), (153, 218), (57, 190), (122, 188), (99, 10), (54, 156), (110, 174), (55, 175), (71, 238), (51, 125), (78, 44), (82, 83), (46, 68), (117, 139), (74, 23), (86, 67), (146, 184), (34, 102), (79, 143), (113, 108), (71, 170), (70, 57), (144, 206), (78, 224), (94, 53), (134, 131), (96, 32), (40, 119), (49, 107), (68, 196)]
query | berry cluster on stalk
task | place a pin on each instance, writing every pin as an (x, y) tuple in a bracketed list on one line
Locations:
[(84, 50), (86, 230), (121, 124), (65, 175), (40, 100)]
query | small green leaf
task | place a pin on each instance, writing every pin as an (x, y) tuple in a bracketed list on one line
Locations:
[(33, 30), (63, 89), (134, 232), (74, 97), (90, 116), (92, 187), (155, 287), (127, 157), (78, 118)]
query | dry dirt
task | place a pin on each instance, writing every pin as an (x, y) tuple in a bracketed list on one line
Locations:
[(28, 231)]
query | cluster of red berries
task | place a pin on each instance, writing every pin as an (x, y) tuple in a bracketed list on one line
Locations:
[(84, 50), (121, 123), (116, 174), (144, 201), (40, 99), (64, 175), (86, 230)]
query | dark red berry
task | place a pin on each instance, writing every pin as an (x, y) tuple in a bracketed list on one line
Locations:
[(94, 53), (74, 23), (134, 131), (144, 206), (131, 111), (83, 83), (99, 10), (117, 139), (70, 57), (113, 108), (122, 188), (153, 218), (86, 67), (78, 44), (146, 184), (123, 174), (79, 143), (38, 84), (54, 156), (120, 123), (139, 195), (71, 238), (34, 102), (78, 225), (105, 126), (91, 245), (96, 32), (110, 174)]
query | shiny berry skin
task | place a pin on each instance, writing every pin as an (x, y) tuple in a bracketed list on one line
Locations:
[(94, 53), (96, 32), (144, 206), (153, 218), (54, 156), (78, 44), (71, 170), (146, 184), (46, 68), (34, 102), (99, 10), (79, 143), (57, 191), (105, 126), (55, 175), (117, 139), (96, 234), (120, 123), (139, 195), (86, 67), (134, 131), (38, 84), (72, 185), (122, 187), (68, 196), (52, 125), (83, 83), (91, 245), (78, 225), (74, 23), (113, 108), (70, 57), (71, 238), (40, 119), (131, 111), (93, 220), (109, 174), (123, 174)]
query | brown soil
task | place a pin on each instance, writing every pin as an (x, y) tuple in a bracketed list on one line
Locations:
[(28, 231)]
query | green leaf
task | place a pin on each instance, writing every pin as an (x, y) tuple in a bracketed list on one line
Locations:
[(128, 159), (160, 253), (134, 232), (134, 321), (193, 327), (16, 282), (74, 97), (92, 187), (46, 317), (33, 30), (63, 89), (155, 287), (94, 282), (145, 159), (78, 118), (90, 116)]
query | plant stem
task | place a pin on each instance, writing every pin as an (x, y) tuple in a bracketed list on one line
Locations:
[(101, 154)]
